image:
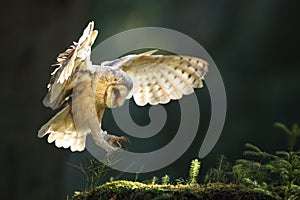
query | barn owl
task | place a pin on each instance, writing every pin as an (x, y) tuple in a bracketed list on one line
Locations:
[(82, 90)]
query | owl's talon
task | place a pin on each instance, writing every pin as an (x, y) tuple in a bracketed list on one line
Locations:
[(114, 140)]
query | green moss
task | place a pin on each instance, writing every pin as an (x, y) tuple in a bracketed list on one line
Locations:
[(125, 190), (260, 175)]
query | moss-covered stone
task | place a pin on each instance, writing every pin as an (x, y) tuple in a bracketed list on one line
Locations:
[(128, 190)]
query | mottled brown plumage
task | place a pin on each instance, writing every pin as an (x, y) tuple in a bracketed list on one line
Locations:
[(84, 90)]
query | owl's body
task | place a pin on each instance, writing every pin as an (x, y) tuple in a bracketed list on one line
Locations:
[(84, 90), (82, 115)]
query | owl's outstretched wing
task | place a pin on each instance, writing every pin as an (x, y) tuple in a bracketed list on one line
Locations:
[(159, 78), (68, 62)]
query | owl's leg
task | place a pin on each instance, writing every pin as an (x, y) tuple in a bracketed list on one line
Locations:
[(104, 140), (101, 140)]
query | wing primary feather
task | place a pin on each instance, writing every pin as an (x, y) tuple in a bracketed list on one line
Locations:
[(162, 93), (153, 89), (174, 91)]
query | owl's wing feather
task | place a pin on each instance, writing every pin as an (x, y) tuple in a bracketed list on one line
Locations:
[(68, 62), (157, 79)]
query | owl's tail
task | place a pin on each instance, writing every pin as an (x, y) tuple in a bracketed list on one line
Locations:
[(61, 129)]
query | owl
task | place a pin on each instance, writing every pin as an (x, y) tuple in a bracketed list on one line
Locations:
[(83, 90)]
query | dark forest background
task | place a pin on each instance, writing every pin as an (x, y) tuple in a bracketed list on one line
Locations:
[(255, 45)]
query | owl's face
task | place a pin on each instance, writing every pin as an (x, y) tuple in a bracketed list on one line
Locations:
[(112, 87), (116, 95), (118, 87)]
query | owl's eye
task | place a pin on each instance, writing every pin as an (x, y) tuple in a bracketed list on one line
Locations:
[(116, 93)]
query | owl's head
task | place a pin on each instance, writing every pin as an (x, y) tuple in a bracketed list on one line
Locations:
[(119, 87), (112, 86), (116, 95)]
